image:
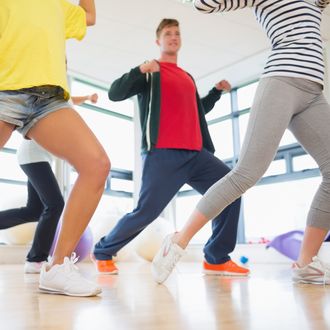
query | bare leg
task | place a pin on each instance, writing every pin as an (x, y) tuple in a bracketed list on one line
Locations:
[(313, 239), (5, 132), (67, 136), (195, 222)]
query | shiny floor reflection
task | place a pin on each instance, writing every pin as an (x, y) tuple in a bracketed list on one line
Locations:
[(188, 300)]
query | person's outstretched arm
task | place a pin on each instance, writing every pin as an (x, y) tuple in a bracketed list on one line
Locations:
[(213, 6), (89, 7), (78, 100), (214, 95)]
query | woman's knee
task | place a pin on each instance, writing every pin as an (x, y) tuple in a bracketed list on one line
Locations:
[(33, 212), (55, 207), (96, 166), (243, 179), (59, 205), (103, 166), (325, 174)]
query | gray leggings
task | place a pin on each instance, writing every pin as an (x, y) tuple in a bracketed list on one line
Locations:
[(280, 103)]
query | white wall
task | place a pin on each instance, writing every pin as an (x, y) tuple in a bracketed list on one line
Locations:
[(238, 73)]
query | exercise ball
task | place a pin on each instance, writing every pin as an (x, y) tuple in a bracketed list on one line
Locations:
[(150, 239), (84, 246), (102, 223), (20, 235)]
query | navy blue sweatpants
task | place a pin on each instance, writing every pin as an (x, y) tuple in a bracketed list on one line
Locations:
[(165, 171)]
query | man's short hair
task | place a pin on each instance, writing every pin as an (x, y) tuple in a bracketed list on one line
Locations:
[(166, 22)]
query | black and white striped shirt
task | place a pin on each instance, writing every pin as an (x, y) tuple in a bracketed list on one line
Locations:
[(293, 28)]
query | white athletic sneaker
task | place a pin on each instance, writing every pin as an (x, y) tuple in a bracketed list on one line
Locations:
[(66, 279), (33, 267), (166, 259), (316, 272)]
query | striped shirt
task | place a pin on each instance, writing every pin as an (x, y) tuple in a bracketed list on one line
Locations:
[(293, 28)]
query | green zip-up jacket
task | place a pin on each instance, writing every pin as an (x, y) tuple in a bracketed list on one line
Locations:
[(147, 88)]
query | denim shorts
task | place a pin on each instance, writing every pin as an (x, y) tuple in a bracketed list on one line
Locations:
[(25, 107)]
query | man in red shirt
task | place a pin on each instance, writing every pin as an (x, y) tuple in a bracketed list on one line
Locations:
[(177, 150)]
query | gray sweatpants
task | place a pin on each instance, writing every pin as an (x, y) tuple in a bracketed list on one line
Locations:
[(280, 103)]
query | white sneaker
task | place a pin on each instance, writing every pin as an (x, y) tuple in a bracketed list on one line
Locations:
[(316, 272), (33, 267), (66, 279), (166, 259)]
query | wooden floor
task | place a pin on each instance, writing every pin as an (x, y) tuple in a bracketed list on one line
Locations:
[(188, 300)]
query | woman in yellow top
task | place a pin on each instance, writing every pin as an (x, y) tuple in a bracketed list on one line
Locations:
[(34, 100)]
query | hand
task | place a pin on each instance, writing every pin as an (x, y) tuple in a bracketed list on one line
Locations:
[(151, 66), (223, 85), (93, 98)]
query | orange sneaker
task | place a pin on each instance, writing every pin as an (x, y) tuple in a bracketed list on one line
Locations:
[(105, 266), (229, 268)]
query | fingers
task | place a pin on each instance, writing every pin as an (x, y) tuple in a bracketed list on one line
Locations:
[(223, 85), (94, 98), (149, 66)]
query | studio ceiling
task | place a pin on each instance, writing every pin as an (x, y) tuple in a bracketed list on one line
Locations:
[(229, 45)]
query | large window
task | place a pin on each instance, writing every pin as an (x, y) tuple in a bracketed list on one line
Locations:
[(10, 169), (278, 203), (221, 133), (270, 210), (79, 87), (114, 133), (245, 96), (13, 190), (221, 108)]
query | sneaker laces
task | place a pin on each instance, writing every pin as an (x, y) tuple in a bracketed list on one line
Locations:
[(70, 268), (74, 258)]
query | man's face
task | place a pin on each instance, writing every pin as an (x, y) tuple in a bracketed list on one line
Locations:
[(169, 40)]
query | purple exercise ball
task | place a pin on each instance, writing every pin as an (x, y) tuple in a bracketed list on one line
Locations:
[(83, 247)]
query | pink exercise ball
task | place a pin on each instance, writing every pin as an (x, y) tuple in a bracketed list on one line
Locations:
[(84, 246)]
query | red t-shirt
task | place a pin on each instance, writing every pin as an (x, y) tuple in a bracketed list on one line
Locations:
[(179, 122)]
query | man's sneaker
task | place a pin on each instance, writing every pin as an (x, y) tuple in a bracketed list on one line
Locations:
[(229, 268), (33, 267), (316, 272), (106, 267), (66, 279), (166, 259)]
